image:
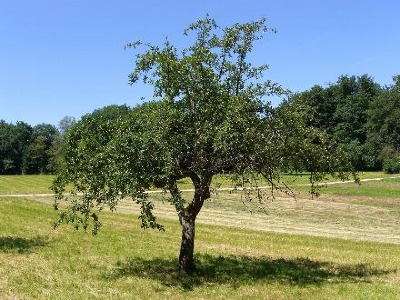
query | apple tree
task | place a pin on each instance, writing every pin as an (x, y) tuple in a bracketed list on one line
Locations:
[(210, 115)]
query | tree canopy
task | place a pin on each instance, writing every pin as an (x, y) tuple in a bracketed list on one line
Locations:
[(210, 115)]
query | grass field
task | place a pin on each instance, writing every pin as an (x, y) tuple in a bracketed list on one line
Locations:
[(40, 184), (343, 245), (25, 184)]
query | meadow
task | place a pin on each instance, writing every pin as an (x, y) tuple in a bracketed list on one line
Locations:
[(344, 244)]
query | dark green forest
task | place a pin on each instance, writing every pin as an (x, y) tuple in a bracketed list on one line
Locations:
[(32, 150), (362, 116), (355, 111)]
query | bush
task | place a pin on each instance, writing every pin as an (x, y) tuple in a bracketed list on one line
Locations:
[(391, 160)]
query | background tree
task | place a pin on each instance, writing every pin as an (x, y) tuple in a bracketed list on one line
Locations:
[(384, 127), (65, 124), (37, 155), (56, 151), (6, 161), (210, 116), (354, 96), (341, 109), (320, 105), (14, 139)]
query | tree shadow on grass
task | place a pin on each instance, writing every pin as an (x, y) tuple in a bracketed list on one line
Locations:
[(241, 270), (20, 244)]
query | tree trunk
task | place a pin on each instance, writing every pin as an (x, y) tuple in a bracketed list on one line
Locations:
[(187, 218), (186, 256)]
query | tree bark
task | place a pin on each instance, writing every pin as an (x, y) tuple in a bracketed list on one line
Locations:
[(187, 219), (186, 255)]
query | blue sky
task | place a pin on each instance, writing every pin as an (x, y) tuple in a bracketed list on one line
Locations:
[(66, 57)]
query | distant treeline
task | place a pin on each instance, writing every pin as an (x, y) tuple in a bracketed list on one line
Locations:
[(31, 150), (356, 112), (360, 114)]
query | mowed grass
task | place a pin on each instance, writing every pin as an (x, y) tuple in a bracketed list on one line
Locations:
[(385, 188), (25, 184), (40, 184), (125, 262), (241, 258)]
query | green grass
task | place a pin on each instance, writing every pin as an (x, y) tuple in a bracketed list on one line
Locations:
[(386, 188), (40, 184), (372, 189), (124, 262), (291, 179), (25, 184)]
